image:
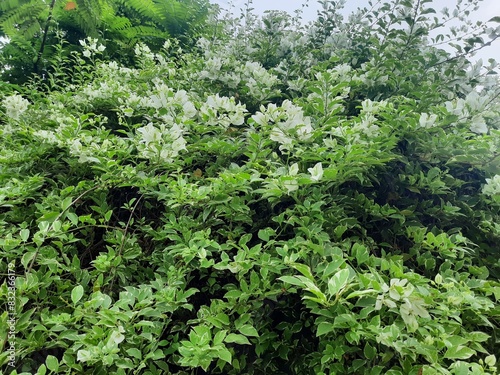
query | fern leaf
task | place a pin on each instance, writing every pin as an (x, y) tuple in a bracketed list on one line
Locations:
[(145, 8)]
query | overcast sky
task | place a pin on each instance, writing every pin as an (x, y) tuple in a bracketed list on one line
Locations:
[(487, 10)]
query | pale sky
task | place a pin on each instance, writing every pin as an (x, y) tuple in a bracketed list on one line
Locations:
[(487, 10)]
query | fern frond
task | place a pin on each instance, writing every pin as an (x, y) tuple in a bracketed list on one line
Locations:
[(137, 32), (87, 16), (144, 8), (7, 5), (32, 30), (118, 23), (17, 21)]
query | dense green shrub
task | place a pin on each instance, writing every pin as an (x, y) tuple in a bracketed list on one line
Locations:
[(285, 200)]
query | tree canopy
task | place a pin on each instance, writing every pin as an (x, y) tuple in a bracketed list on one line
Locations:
[(36, 28)]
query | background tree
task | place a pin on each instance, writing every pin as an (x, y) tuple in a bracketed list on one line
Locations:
[(34, 28)]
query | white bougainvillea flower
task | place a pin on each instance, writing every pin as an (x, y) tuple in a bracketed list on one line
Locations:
[(492, 186), (90, 46), (149, 134), (221, 110), (427, 121), (478, 125), (290, 185), (294, 169), (15, 106), (316, 172)]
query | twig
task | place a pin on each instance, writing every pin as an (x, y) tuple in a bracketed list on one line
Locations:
[(56, 219)]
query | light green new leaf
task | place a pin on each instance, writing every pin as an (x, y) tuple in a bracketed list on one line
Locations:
[(134, 352), (248, 330), (459, 352), (76, 294), (291, 280), (24, 234), (52, 363), (324, 328), (338, 281), (225, 355), (238, 339), (42, 370)]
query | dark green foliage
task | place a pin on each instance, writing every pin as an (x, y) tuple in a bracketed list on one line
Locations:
[(275, 201)]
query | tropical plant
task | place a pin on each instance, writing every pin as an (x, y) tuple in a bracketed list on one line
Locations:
[(34, 28), (333, 212)]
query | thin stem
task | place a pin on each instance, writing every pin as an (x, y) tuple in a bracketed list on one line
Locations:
[(44, 40), (124, 235), (56, 219)]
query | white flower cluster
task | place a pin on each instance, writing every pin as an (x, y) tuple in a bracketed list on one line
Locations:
[(427, 121), (143, 52), (81, 143), (492, 186), (222, 111), (286, 178), (15, 106), (82, 151), (289, 123), (168, 104), (116, 72), (90, 47), (259, 81), (100, 90), (212, 70), (161, 144), (229, 71), (147, 58), (367, 124), (112, 82), (362, 129), (472, 110)]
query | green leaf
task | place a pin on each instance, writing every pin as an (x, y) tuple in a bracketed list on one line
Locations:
[(225, 355), (52, 363), (233, 294), (479, 336), (27, 258), (24, 234), (490, 360), (107, 215), (361, 253), (360, 293), (369, 351), (304, 270), (333, 265), (459, 352), (72, 217), (248, 330), (339, 231), (324, 328), (66, 203), (237, 339), (134, 352), (338, 281), (219, 337), (76, 294), (49, 217), (42, 370), (265, 234), (291, 280)]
